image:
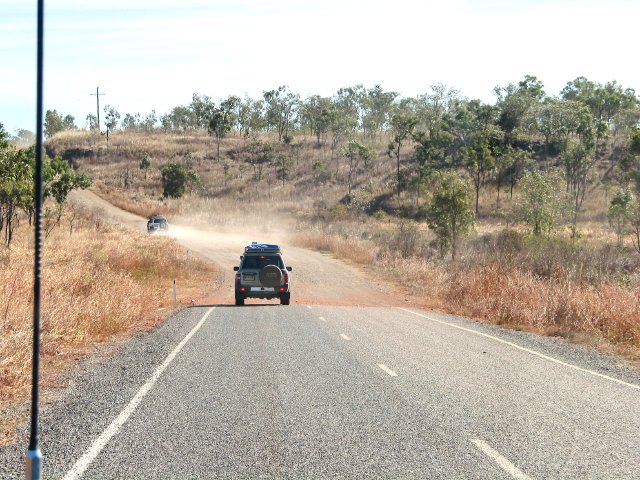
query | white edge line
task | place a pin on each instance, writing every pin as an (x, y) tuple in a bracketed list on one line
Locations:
[(388, 370), (505, 464), (83, 462), (532, 352), (345, 337)]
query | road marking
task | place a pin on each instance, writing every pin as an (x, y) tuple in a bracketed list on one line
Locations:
[(89, 456), (388, 370), (322, 318), (532, 352), (309, 307), (344, 337), (502, 462)]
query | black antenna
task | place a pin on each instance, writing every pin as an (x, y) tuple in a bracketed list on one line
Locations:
[(33, 458)]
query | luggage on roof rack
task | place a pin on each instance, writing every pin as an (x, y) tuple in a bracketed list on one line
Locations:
[(262, 248)]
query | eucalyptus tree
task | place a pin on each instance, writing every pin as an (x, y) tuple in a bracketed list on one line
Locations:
[(543, 203), (150, 121), (53, 123), (559, 120), (620, 214), (259, 155), (316, 114), (222, 120), (16, 184), (91, 122), (355, 153), (434, 134), (403, 123), (479, 161), (343, 118), (203, 109), (377, 110), (131, 122), (449, 213), (251, 116), (281, 107), (111, 119), (513, 102)]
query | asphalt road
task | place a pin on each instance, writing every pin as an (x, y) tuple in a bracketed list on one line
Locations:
[(268, 391), (321, 389)]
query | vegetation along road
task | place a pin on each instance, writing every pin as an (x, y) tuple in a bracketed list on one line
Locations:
[(321, 389)]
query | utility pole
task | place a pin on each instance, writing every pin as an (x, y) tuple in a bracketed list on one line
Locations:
[(97, 94)]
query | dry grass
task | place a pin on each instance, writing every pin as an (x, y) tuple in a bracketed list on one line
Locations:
[(552, 288), (99, 284)]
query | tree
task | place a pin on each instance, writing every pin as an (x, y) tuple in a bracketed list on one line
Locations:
[(285, 165), (59, 180), (355, 152), (378, 107), (131, 122), (250, 116), (634, 220), (111, 119), (150, 121), (16, 185), (145, 164), (620, 214), (53, 123), (259, 154), (513, 103), (577, 161), (223, 119), (544, 203), (202, 108), (175, 179), (91, 122), (281, 105), (403, 122), (449, 213), (479, 161)]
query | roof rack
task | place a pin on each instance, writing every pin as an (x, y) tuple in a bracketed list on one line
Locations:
[(256, 247)]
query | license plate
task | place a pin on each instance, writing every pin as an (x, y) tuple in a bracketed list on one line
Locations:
[(261, 289), (249, 278)]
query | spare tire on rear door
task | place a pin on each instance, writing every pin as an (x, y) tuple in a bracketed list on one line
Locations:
[(270, 276)]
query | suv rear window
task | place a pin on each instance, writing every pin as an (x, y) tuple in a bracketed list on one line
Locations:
[(261, 261)]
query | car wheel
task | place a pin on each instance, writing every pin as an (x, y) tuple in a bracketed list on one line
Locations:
[(285, 298), (270, 276), (239, 302)]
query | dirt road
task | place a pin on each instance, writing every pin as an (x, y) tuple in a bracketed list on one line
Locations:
[(317, 279)]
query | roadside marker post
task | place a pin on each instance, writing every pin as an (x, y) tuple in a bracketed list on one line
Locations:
[(175, 295)]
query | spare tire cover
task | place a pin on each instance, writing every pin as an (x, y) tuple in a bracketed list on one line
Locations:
[(270, 276)]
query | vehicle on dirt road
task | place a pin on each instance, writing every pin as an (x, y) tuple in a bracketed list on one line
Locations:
[(157, 223), (262, 273)]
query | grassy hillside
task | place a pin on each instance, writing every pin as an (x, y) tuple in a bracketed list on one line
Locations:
[(585, 287)]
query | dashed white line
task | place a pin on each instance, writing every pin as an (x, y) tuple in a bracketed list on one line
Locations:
[(502, 462), (322, 318), (344, 337), (89, 456), (388, 370), (532, 352)]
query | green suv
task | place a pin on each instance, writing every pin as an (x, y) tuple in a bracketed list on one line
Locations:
[(262, 273)]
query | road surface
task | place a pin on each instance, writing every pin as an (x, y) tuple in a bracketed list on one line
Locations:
[(348, 382)]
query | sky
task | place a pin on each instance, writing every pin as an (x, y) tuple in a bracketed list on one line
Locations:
[(154, 54)]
